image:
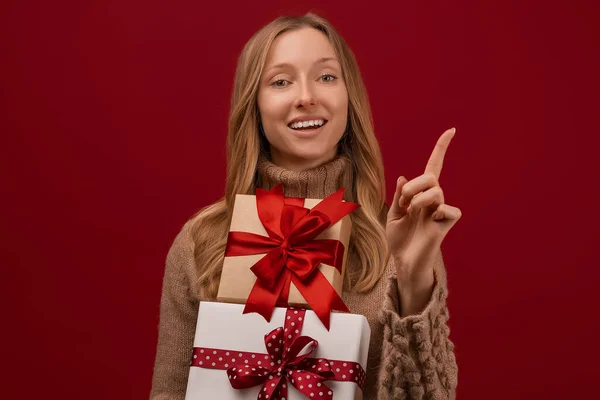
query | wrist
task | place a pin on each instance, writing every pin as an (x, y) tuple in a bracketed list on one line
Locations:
[(415, 287), (413, 277)]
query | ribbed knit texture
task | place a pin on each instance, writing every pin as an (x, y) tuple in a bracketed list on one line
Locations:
[(409, 358)]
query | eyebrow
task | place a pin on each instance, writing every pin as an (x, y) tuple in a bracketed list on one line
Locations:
[(288, 65)]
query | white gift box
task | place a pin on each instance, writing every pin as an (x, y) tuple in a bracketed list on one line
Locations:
[(224, 326)]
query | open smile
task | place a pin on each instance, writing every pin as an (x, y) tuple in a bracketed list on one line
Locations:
[(307, 128)]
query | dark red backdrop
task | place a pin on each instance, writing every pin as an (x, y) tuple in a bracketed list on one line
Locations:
[(113, 126)]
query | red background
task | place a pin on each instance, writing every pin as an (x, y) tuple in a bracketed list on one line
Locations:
[(113, 122)]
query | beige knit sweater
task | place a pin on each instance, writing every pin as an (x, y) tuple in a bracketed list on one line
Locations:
[(409, 358)]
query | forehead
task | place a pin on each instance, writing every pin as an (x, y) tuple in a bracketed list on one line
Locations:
[(300, 47)]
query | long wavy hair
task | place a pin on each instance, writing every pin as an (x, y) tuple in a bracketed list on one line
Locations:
[(368, 245)]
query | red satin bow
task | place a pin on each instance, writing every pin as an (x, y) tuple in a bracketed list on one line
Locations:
[(292, 254)]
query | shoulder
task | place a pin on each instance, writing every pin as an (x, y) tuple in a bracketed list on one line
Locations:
[(198, 239), (183, 244), (180, 267)]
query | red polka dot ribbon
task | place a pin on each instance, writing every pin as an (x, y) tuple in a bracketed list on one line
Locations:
[(286, 361)]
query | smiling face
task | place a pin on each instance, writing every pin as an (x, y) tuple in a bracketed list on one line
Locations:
[(302, 99)]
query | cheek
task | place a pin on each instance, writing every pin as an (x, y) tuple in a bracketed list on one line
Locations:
[(339, 106), (272, 112), (339, 102), (341, 112), (272, 109)]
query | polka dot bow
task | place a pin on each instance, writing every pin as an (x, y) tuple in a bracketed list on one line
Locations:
[(287, 361)]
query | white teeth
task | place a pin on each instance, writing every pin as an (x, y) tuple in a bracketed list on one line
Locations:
[(306, 124)]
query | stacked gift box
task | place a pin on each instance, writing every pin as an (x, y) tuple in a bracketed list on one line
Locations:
[(272, 334)]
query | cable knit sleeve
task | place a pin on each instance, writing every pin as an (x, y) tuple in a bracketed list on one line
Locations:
[(417, 359), (178, 316)]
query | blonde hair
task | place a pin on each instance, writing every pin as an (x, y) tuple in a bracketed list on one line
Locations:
[(368, 245)]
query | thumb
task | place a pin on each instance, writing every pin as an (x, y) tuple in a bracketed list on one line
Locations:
[(396, 211)]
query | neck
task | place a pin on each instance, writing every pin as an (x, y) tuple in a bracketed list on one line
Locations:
[(315, 183)]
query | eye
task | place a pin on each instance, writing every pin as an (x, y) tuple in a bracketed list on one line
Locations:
[(328, 78), (279, 83)]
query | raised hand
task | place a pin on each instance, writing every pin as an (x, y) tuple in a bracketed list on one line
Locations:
[(419, 219)]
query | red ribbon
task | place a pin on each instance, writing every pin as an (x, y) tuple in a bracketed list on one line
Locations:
[(287, 361), (292, 253)]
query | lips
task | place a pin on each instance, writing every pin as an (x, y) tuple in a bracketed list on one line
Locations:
[(308, 132), (307, 124)]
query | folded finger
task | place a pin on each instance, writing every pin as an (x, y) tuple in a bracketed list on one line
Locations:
[(396, 210), (448, 212), (417, 185), (431, 198)]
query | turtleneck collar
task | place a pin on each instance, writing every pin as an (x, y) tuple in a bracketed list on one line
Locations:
[(316, 183)]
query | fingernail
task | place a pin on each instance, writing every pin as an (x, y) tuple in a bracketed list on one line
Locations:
[(453, 130)]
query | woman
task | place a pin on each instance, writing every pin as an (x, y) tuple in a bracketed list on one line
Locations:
[(300, 116)]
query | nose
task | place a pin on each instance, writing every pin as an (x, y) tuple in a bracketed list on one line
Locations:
[(306, 96)]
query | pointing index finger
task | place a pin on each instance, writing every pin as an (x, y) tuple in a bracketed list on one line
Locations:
[(436, 160)]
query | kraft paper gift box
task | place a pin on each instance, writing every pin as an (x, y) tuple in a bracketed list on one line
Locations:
[(237, 280), (227, 340)]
